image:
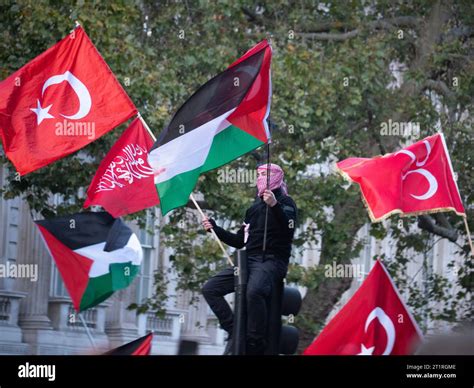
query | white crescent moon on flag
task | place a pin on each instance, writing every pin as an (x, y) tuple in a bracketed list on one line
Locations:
[(409, 153), (387, 324), (431, 180), (428, 175), (428, 152), (85, 101)]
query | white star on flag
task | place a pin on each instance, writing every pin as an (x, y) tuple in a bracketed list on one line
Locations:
[(42, 113), (366, 351)]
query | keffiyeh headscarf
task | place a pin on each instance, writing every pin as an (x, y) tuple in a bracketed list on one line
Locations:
[(276, 179)]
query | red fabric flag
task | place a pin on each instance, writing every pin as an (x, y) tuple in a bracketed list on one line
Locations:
[(59, 102), (139, 347), (417, 179), (123, 183), (375, 321)]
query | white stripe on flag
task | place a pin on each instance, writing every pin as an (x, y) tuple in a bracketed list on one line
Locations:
[(187, 152), (101, 260)]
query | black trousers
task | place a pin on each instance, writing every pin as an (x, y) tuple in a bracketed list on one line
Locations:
[(261, 275)]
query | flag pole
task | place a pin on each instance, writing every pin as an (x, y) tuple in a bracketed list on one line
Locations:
[(264, 247), (212, 230), (452, 173), (89, 334), (146, 126), (192, 199), (468, 235)]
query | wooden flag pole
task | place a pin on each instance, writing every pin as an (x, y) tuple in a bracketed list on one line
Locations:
[(146, 127), (89, 334), (212, 231), (468, 235), (457, 188), (193, 200)]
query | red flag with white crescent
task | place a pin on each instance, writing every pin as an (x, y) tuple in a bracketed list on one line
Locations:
[(375, 321), (62, 100), (417, 179)]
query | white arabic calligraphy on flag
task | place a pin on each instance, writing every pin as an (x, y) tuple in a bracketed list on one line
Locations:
[(125, 167)]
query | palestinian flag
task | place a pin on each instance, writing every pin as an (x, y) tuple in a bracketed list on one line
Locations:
[(95, 253), (139, 347), (222, 121)]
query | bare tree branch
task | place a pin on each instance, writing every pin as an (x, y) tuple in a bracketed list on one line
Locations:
[(329, 36), (438, 225), (320, 32), (440, 87)]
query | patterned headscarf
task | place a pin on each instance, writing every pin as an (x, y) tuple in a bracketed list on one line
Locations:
[(276, 179)]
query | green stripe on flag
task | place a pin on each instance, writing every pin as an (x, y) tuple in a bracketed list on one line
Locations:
[(99, 288), (175, 192), (227, 145)]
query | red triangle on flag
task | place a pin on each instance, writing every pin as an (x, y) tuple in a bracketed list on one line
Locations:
[(74, 268)]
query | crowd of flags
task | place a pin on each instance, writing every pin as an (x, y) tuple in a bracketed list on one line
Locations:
[(68, 97)]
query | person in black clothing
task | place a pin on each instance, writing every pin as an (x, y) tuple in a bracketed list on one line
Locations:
[(264, 268)]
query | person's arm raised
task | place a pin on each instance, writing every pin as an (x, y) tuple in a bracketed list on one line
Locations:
[(235, 240)]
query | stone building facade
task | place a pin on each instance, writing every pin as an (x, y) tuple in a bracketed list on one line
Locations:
[(37, 316)]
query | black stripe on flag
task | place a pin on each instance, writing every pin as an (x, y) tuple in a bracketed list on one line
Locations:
[(214, 98), (140, 346), (118, 236), (84, 229)]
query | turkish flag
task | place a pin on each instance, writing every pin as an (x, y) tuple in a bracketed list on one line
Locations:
[(59, 102), (417, 179), (124, 182), (375, 321)]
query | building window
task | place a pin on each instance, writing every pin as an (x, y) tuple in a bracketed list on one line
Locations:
[(145, 277), (12, 236), (57, 285), (367, 249), (147, 234)]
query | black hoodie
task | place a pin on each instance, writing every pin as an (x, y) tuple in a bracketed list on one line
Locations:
[(280, 228)]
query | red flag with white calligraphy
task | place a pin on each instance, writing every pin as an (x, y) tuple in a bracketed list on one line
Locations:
[(123, 183), (417, 179), (375, 321), (59, 102)]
